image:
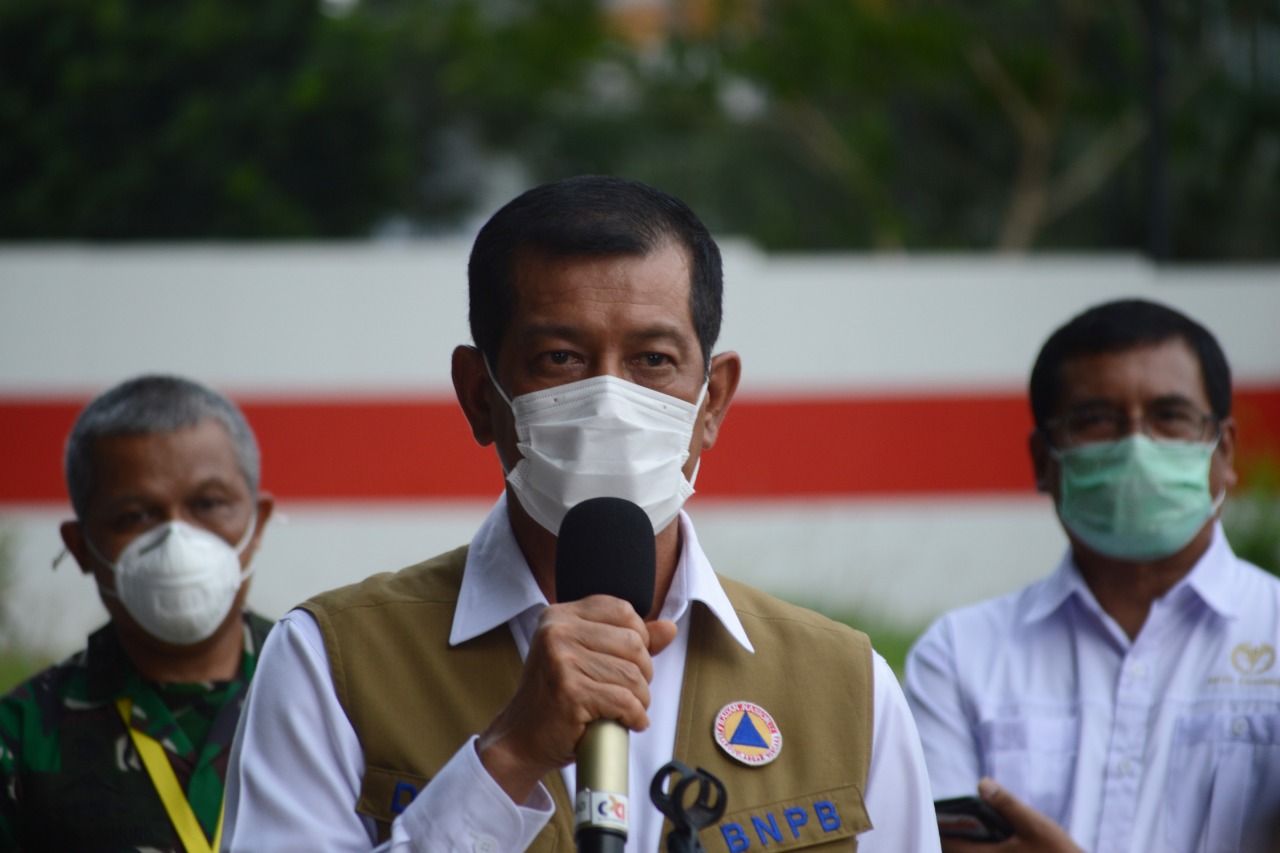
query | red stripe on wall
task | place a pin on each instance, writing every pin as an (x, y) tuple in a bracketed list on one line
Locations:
[(337, 449)]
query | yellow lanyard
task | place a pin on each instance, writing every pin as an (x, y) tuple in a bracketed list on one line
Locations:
[(166, 782)]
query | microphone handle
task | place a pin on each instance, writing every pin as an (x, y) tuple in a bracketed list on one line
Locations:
[(601, 810), (600, 841)]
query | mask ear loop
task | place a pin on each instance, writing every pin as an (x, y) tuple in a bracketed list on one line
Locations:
[(1221, 497), (93, 549), (248, 534), (1218, 501), (488, 368), (697, 407), (246, 572), (702, 395), (97, 555)]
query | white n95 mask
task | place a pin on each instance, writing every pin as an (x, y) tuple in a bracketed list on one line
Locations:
[(177, 581), (601, 437)]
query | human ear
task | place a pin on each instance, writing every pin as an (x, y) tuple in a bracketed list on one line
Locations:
[(726, 371), (472, 386), (1041, 462), (73, 538), (264, 506), (1226, 452)]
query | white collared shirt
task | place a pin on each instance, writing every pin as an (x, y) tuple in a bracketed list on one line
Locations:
[(1169, 742), (296, 765)]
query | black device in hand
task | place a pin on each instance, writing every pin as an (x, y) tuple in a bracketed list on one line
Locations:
[(972, 819)]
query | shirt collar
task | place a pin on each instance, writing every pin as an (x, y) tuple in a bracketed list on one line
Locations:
[(498, 586), (1210, 579), (1045, 597), (695, 580)]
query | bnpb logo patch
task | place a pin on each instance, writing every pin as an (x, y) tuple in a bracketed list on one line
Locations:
[(747, 733)]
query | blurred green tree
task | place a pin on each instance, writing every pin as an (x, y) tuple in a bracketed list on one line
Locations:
[(196, 118), (476, 83), (816, 124), (123, 119), (1251, 518), (806, 124)]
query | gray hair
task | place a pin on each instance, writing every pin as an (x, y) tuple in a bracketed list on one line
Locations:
[(152, 404)]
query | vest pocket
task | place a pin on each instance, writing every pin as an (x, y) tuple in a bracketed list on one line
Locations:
[(1034, 757), (831, 817), (1222, 791), (384, 794)]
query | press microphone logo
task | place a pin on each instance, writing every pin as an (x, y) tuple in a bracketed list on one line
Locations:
[(613, 808), (602, 810)]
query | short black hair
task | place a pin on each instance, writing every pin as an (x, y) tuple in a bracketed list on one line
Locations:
[(585, 216), (1119, 326)]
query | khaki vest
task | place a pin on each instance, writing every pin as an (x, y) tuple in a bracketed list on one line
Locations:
[(413, 701)]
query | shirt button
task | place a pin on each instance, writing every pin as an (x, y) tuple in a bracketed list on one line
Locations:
[(1239, 726), (1125, 767), (485, 844), (1138, 670)]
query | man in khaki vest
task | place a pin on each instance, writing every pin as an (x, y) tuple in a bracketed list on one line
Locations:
[(441, 707)]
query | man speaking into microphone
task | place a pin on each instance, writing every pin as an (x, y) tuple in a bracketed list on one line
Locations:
[(443, 707)]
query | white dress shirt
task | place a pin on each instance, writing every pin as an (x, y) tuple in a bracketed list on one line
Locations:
[(1170, 742), (296, 765)]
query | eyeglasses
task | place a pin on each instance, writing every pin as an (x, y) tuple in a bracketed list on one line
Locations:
[(1170, 421)]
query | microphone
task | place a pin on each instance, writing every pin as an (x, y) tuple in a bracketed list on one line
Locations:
[(605, 548)]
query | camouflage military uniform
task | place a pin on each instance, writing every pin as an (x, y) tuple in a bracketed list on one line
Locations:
[(70, 777)]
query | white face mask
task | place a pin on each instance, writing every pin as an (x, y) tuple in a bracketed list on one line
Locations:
[(178, 582), (601, 437)]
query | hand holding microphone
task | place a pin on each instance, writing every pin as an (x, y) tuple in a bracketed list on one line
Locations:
[(591, 655), (605, 548)]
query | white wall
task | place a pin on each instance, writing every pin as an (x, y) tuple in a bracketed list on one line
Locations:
[(354, 319)]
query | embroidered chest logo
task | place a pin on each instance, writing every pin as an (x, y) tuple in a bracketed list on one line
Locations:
[(1253, 660), (747, 733)]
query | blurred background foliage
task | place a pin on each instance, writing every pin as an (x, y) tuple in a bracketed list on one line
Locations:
[(806, 124), (1251, 516), (16, 662)]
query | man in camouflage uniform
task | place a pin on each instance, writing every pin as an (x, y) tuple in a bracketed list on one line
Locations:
[(163, 476)]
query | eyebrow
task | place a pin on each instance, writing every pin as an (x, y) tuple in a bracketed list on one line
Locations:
[(668, 332), (549, 330), (126, 500), (1104, 403), (660, 333), (144, 498), (214, 482)]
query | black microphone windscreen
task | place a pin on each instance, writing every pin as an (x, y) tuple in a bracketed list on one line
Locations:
[(606, 548)]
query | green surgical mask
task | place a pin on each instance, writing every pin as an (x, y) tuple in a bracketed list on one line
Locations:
[(1136, 499)]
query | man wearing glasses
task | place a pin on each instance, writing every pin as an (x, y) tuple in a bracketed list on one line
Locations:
[(1132, 697)]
